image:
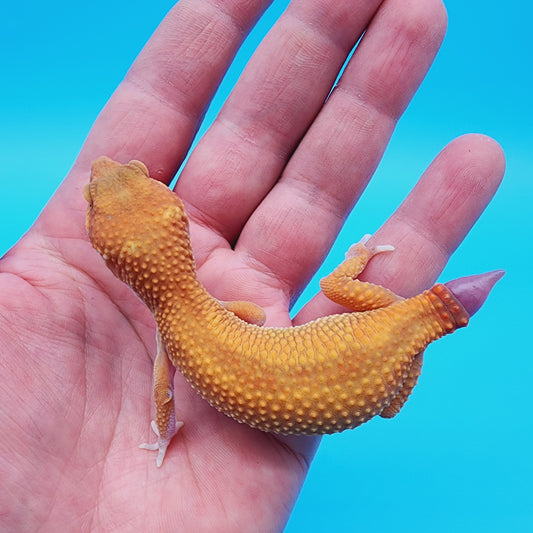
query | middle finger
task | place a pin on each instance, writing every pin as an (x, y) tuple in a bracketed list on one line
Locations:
[(279, 94), (295, 225)]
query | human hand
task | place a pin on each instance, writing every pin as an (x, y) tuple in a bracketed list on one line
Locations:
[(266, 190)]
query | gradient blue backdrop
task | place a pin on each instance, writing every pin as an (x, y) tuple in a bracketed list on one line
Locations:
[(458, 457)]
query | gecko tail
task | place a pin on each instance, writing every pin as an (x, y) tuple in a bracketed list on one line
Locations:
[(472, 291)]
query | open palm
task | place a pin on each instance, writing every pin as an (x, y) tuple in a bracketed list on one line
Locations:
[(267, 190)]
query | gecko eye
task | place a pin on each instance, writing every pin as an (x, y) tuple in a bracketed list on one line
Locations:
[(87, 194)]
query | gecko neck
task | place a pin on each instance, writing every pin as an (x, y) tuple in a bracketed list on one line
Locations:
[(168, 274)]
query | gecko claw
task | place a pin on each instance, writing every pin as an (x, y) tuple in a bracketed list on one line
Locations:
[(355, 249), (162, 443)]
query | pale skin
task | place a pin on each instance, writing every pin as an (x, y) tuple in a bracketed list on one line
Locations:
[(266, 191)]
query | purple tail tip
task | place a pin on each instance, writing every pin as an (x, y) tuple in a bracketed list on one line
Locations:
[(472, 291)]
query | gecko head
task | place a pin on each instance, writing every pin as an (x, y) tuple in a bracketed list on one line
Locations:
[(113, 189), (131, 216)]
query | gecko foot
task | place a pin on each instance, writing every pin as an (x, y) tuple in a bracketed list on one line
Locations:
[(357, 248), (162, 442)]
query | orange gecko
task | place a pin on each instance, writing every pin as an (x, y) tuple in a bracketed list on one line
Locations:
[(325, 376)]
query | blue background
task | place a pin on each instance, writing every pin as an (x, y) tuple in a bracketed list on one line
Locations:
[(459, 456)]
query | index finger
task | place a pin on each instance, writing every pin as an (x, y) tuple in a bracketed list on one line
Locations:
[(155, 112)]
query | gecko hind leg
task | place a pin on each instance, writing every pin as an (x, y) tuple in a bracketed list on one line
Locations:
[(405, 391), (165, 425), (343, 287)]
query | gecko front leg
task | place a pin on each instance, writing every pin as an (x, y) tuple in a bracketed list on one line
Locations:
[(165, 425)]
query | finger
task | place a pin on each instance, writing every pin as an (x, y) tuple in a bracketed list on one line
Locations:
[(281, 90), (155, 112), (293, 229), (432, 221), (157, 109)]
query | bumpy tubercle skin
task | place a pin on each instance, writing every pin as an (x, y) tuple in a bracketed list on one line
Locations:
[(325, 376)]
